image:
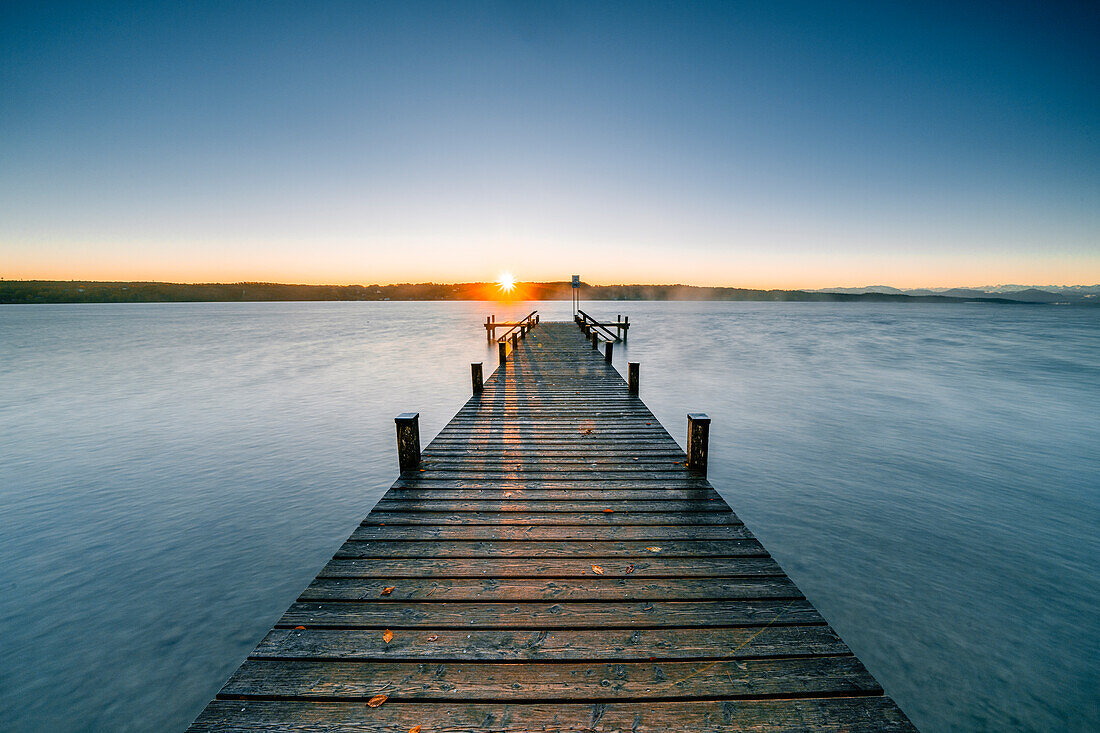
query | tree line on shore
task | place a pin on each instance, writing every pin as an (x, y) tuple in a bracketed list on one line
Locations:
[(72, 291)]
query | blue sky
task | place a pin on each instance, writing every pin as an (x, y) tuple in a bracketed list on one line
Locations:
[(754, 144)]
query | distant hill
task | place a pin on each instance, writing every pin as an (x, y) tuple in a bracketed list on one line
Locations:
[(1075, 294), (54, 291)]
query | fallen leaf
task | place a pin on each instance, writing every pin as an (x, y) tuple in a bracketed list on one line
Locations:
[(386, 591), (597, 570), (433, 637), (298, 627), (414, 729), (376, 700), (608, 511), (654, 549), (630, 569), (388, 636), (649, 423)]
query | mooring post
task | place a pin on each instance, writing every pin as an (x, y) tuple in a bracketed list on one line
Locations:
[(475, 377), (607, 350), (502, 351), (626, 326), (632, 376), (698, 437), (408, 440)]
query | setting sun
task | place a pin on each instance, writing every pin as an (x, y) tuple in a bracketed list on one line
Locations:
[(506, 282)]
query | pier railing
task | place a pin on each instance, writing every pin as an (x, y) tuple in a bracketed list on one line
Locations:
[(523, 325), (588, 324), (508, 341)]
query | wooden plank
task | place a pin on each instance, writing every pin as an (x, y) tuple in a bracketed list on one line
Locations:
[(827, 715), (382, 613), (594, 588), (569, 548), (648, 565), (564, 682), (580, 493), (653, 533), (610, 645), (545, 505), (557, 519)]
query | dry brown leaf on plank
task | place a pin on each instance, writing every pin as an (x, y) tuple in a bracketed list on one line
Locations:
[(297, 628), (607, 511), (433, 637), (376, 701), (630, 569), (654, 549), (414, 729), (387, 590), (597, 570), (388, 636)]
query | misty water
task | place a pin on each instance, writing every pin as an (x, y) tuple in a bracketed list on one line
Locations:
[(172, 475)]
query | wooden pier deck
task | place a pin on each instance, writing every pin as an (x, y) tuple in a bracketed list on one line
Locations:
[(552, 566)]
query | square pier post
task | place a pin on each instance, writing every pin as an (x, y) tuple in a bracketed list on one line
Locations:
[(698, 439), (475, 377), (408, 441)]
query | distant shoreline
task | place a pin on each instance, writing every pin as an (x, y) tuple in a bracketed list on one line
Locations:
[(64, 291)]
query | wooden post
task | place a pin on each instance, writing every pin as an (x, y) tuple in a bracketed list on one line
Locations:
[(626, 327), (595, 340), (408, 440), (698, 438), (607, 350), (632, 376), (475, 377), (502, 351), (515, 340)]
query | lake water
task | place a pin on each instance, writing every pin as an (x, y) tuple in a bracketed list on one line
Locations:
[(172, 475)]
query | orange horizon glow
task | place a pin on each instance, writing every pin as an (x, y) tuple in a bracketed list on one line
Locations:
[(743, 267), (748, 278)]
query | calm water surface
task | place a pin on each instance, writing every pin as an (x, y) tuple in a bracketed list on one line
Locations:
[(172, 475)]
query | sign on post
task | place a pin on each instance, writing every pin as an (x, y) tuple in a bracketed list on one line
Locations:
[(576, 293), (576, 281)]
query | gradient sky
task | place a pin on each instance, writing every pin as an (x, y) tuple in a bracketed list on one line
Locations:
[(765, 144)]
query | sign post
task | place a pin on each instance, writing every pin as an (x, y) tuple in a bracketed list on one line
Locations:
[(576, 293)]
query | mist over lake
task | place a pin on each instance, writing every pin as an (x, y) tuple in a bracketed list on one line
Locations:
[(172, 475)]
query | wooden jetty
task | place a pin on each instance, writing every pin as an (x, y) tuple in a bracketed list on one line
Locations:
[(552, 561)]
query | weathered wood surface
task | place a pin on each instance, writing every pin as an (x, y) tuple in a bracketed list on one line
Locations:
[(552, 565)]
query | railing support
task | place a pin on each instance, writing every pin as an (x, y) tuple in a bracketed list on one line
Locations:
[(607, 351), (632, 376), (698, 438), (595, 340), (502, 352), (408, 440), (475, 377)]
